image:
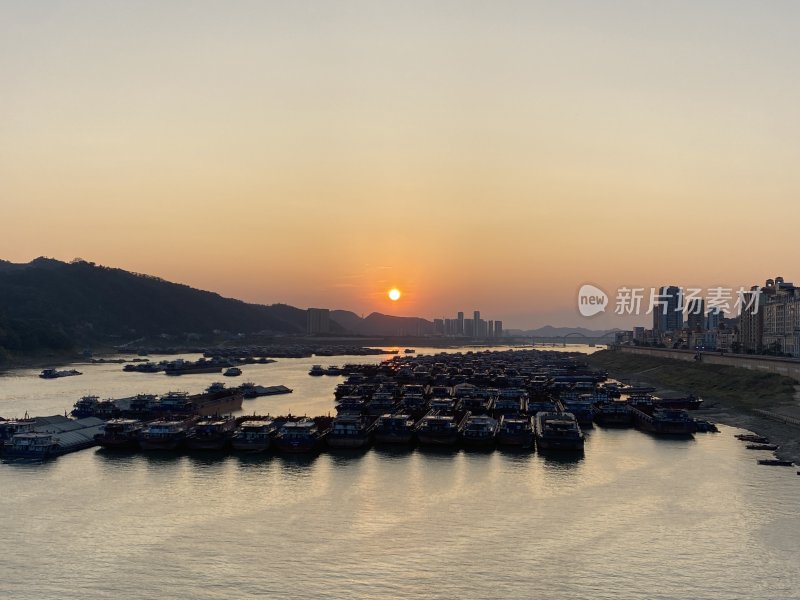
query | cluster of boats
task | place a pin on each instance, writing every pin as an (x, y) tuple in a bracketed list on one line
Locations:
[(216, 433), (56, 374), (515, 399), (520, 399), (504, 398), (758, 442), (186, 367), (216, 400)]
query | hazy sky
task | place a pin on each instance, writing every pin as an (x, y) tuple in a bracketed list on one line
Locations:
[(491, 155)]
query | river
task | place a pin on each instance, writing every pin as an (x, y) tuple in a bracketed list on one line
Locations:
[(635, 517)]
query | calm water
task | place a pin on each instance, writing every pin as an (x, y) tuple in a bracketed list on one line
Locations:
[(636, 517)]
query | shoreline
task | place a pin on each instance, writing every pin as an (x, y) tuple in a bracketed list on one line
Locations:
[(733, 405), (785, 435)]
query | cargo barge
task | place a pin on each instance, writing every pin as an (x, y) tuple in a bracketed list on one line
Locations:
[(558, 431)]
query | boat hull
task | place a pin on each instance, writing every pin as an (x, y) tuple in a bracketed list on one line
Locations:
[(193, 443), (394, 438), (435, 439), (348, 442), (515, 440), (559, 444), (118, 443), (250, 446), (663, 427), (11, 452), (613, 419), (163, 445), (298, 446), (478, 443)]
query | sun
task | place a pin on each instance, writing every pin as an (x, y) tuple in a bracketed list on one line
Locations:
[(394, 294)]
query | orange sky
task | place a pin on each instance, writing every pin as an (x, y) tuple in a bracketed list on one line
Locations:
[(473, 155)]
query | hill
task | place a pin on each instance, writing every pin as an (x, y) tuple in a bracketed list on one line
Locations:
[(49, 304), (382, 325)]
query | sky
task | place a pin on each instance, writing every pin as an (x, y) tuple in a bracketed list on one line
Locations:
[(475, 155)]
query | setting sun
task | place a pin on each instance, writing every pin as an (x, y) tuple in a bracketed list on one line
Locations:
[(394, 294)]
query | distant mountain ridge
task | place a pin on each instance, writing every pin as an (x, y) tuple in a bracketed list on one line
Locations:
[(52, 304), (380, 324)]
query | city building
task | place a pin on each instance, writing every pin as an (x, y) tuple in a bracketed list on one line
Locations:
[(450, 327), (668, 309), (318, 321), (751, 321), (469, 328), (714, 318), (498, 328), (438, 326), (695, 314), (781, 320), (460, 324)]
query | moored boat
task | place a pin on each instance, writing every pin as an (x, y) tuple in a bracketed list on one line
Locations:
[(120, 434), (218, 402), (254, 436), (690, 402), (183, 367), (515, 431), (439, 429), (32, 445), (558, 431), (380, 404), (395, 429), (10, 428), (211, 433), (612, 414), (663, 421), (165, 434), (350, 431), (56, 374), (302, 436), (479, 431), (580, 407)]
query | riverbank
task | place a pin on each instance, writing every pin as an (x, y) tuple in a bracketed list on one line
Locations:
[(39, 360), (731, 395)]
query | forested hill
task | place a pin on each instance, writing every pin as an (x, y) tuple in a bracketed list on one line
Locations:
[(49, 304)]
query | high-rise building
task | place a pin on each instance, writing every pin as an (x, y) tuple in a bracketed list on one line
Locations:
[(469, 328), (489, 328), (318, 320), (751, 321), (450, 326), (476, 324), (438, 326), (668, 309), (498, 328), (714, 318), (695, 314), (481, 329), (460, 324), (781, 317)]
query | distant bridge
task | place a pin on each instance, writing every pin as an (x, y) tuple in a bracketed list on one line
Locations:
[(561, 340)]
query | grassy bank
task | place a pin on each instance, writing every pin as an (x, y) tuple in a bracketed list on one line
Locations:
[(731, 386)]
